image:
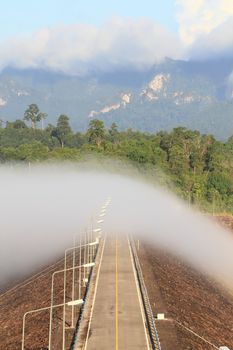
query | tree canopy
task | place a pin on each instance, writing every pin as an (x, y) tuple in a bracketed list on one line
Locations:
[(199, 167), (34, 115)]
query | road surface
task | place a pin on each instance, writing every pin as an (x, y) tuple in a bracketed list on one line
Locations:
[(117, 320)]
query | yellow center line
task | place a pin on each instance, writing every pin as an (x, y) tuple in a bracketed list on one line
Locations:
[(116, 294)]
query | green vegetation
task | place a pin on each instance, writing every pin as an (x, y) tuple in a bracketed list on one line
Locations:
[(199, 167)]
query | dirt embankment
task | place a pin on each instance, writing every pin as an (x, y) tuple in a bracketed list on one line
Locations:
[(191, 299), (225, 220), (31, 295)]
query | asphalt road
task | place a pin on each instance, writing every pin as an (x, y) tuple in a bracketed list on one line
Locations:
[(117, 320)]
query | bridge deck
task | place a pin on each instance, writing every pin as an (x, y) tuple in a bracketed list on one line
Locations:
[(117, 321)]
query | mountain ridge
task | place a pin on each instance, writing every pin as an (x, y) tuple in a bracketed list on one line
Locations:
[(198, 95)]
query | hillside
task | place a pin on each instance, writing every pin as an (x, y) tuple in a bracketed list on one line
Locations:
[(30, 294), (197, 95)]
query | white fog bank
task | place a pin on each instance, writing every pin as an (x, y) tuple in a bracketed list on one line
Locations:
[(41, 210)]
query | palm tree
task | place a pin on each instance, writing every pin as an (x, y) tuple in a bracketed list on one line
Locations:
[(34, 115)]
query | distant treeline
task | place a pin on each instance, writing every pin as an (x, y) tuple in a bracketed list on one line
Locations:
[(200, 167)]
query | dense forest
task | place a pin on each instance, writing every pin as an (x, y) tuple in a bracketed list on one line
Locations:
[(199, 167)]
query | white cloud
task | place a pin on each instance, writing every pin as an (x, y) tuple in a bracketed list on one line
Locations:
[(216, 44), (200, 17), (78, 48), (205, 31)]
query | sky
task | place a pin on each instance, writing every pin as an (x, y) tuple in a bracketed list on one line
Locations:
[(27, 16), (76, 36)]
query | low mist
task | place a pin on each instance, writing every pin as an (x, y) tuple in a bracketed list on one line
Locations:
[(42, 209)]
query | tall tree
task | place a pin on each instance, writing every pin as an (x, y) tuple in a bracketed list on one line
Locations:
[(96, 132), (63, 129), (33, 114), (113, 132)]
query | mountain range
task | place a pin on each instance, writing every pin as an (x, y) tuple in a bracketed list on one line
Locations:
[(197, 95)]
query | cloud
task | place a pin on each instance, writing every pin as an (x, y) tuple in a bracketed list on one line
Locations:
[(205, 31), (200, 17), (216, 44), (82, 47)]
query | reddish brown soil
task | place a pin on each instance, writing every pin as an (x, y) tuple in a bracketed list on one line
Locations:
[(34, 295), (184, 295), (226, 221)]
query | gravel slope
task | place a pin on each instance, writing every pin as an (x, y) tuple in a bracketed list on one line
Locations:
[(188, 297)]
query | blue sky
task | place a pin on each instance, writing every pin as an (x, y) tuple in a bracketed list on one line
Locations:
[(26, 16)]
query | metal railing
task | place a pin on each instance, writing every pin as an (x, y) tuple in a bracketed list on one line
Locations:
[(154, 337), (88, 249), (75, 338)]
